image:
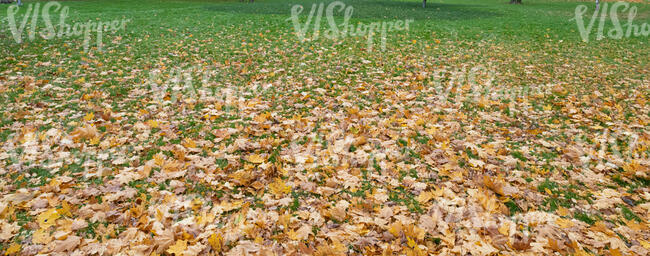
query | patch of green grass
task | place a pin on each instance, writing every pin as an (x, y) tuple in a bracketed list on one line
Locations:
[(560, 195), (221, 163), (584, 217), (39, 176), (547, 184), (403, 197), (89, 231), (533, 43), (629, 214), (512, 207), (518, 155)]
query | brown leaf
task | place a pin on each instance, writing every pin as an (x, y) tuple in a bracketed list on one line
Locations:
[(68, 244), (521, 243)]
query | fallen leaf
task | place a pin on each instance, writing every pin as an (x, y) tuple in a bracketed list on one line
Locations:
[(41, 236), (47, 219), (216, 242), (564, 223), (12, 249), (256, 159), (300, 234), (505, 229), (178, 248), (8, 230), (279, 188), (69, 244)]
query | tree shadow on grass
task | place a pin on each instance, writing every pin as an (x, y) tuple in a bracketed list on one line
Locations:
[(384, 9)]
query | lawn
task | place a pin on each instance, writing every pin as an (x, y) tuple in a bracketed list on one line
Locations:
[(211, 127)]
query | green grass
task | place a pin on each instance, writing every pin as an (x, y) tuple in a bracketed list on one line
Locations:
[(254, 51), (541, 29)]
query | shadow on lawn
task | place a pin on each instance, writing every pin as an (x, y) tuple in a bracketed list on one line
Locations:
[(365, 9)]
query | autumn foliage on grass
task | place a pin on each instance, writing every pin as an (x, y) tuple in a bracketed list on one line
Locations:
[(323, 148)]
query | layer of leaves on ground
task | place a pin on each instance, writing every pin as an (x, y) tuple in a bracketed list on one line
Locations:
[(320, 147)]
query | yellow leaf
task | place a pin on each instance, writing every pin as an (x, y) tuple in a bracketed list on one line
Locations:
[(493, 184), (178, 248), (215, 241), (505, 229), (293, 235), (65, 209), (411, 243), (189, 143), (55, 182), (13, 248), (582, 253), (425, 197), (645, 244), (562, 211), (300, 234), (635, 225), (395, 229), (548, 191), (564, 223), (488, 201), (242, 177), (152, 123), (41, 236), (159, 159), (279, 188), (46, 219), (89, 116), (414, 232), (259, 240), (282, 171), (196, 204), (159, 215), (85, 132), (262, 117), (256, 159)]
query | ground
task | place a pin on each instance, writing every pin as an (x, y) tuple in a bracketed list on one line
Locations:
[(210, 127)]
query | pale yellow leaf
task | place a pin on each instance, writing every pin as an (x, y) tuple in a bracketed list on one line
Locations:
[(178, 248), (256, 159), (46, 219)]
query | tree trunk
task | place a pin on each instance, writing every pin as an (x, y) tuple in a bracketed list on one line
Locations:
[(424, 3), (515, 1)]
